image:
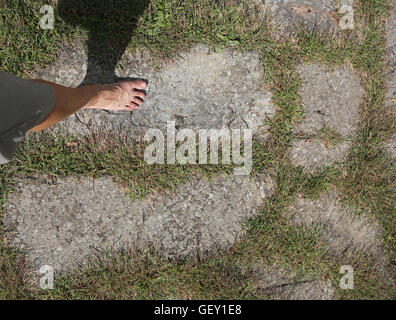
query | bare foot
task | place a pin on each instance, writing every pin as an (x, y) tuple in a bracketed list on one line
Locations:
[(122, 96)]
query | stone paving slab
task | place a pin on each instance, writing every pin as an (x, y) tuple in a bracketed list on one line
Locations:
[(314, 16), (65, 223), (201, 89), (313, 155), (345, 231), (62, 224), (330, 99), (276, 283), (391, 149)]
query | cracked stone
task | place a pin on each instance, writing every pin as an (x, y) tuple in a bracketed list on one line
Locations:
[(391, 148), (330, 99), (64, 224), (319, 16), (200, 89), (276, 283), (313, 154), (344, 231)]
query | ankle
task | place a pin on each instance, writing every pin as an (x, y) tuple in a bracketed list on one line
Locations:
[(90, 95)]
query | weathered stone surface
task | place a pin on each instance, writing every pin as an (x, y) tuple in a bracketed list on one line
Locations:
[(199, 90), (312, 154), (391, 148), (391, 36), (390, 97), (330, 99), (62, 224), (318, 16), (277, 284), (344, 231)]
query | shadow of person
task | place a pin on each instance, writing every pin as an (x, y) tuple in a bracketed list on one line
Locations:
[(111, 24)]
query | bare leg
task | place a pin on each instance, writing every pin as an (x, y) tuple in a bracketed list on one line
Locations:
[(123, 96)]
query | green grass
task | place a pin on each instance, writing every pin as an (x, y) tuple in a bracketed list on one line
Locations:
[(97, 155), (167, 27)]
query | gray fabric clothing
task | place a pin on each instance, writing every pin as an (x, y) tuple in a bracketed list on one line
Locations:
[(23, 105)]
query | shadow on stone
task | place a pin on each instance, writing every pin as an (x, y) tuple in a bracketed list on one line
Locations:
[(111, 24)]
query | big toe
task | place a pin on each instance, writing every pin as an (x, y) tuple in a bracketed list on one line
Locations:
[(139, 84)]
